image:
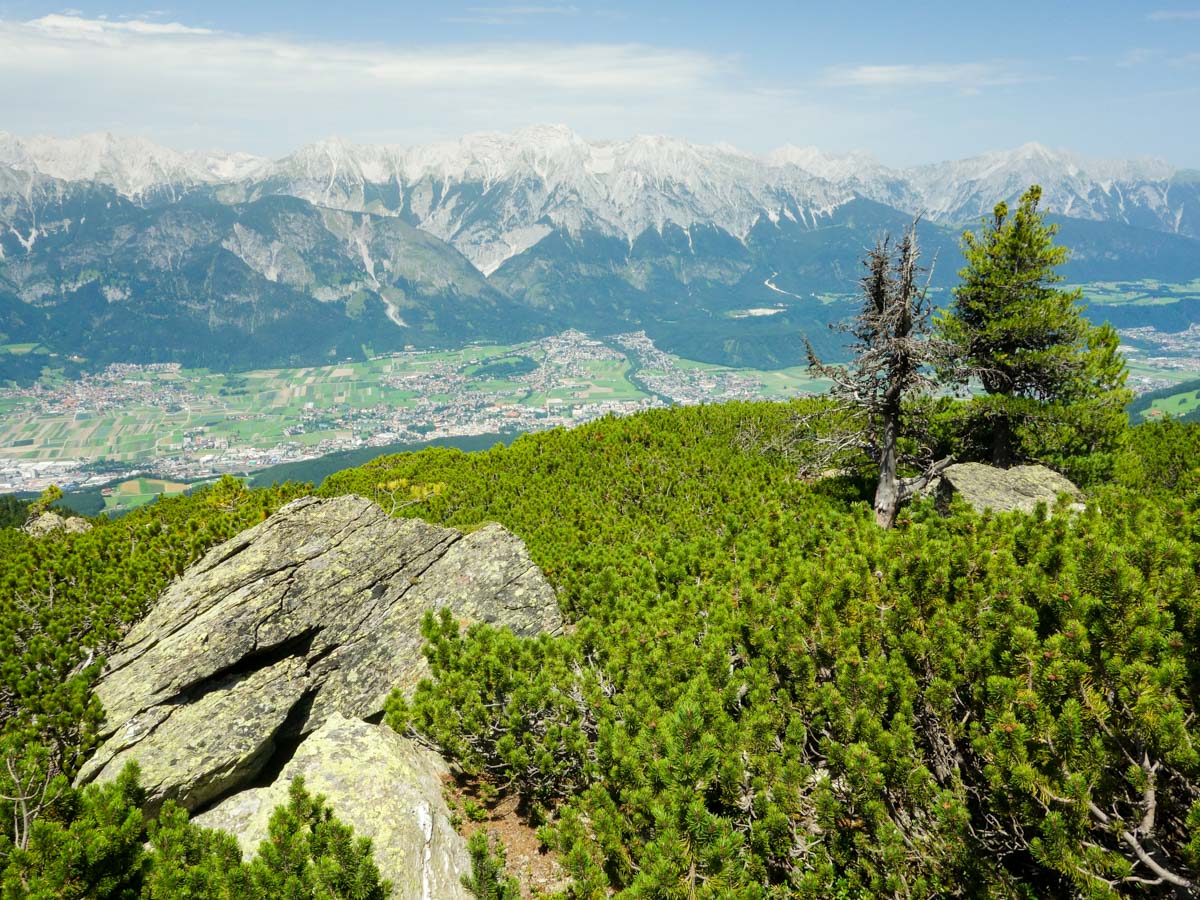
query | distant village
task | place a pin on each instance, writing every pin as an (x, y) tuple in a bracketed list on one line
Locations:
[(458, 411), (1175, 351), (447, 406)]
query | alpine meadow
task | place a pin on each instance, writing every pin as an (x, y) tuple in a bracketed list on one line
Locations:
[(526, 515)]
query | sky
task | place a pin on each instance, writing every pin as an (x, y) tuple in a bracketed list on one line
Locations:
[(909, 83)]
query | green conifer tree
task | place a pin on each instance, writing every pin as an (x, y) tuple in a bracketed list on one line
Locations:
[(488, 880), (310, 854), (97, 854), (1054, 386), (192, 863)]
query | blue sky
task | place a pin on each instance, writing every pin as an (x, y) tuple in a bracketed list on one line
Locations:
[(908, 82)]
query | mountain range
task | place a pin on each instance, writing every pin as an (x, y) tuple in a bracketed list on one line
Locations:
[(115, 248)]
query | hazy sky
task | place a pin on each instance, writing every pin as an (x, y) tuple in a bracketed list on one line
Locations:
[(909, 82)]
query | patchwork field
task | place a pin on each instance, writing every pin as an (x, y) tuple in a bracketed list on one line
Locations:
[(1179, 405), (139, 491), (1146, 292)]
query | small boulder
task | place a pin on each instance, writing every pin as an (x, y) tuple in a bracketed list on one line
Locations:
[(383, 785), (52, 523), (1019, 489)]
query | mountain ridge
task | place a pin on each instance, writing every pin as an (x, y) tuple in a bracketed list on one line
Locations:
[(548, 174), (337, 249)]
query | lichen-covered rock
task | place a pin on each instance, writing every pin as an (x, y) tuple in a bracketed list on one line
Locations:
[(385, 786), (1020, 488), (198, 750), (314, 611), (52, 523)]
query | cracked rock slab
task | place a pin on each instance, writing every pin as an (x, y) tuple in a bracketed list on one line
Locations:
[(383, 785), (315, 611), (195, 751)]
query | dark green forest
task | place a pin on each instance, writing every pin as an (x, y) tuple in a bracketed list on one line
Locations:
[(13, 511)]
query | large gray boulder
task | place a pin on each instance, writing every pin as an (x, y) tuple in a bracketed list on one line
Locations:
[(1020, 488), (385, 786), (315, 611), (52, 523)]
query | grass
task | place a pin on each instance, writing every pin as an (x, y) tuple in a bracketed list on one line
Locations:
[(1139, 368), (1177, 404)]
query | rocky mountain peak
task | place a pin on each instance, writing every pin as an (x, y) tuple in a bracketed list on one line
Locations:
[(491, 194)]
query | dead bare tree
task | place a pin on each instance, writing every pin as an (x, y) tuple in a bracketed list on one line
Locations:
[(35, 785), (892, 354), (396, 495)]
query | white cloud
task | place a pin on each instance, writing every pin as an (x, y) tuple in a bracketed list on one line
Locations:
[(508, 15), (194, 88), (68, 26), (965, 76), (1138, 56), (588, 68), (1145, 56), (525, 10), (479, 20), (191, 86)]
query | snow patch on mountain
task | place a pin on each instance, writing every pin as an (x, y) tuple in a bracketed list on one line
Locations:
[(132, 166), (26, 242), (269, 258)]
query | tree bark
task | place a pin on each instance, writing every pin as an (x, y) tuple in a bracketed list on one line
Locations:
[(887, 492), (1002, 443)]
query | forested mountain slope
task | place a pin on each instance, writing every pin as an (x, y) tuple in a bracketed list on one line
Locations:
[(762, 694), (270, 282)]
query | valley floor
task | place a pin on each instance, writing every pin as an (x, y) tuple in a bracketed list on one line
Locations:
[(189, 425)]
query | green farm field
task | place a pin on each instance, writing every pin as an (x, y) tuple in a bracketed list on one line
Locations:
[(137, 492), (1179, 405), (1146, 292)]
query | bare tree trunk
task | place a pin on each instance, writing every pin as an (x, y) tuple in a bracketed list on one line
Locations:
[(887, 492), (1001, 443)]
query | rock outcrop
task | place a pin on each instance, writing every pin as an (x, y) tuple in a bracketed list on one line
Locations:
[(385, 786), (314, 612), (1004, 490), (52, 523)]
